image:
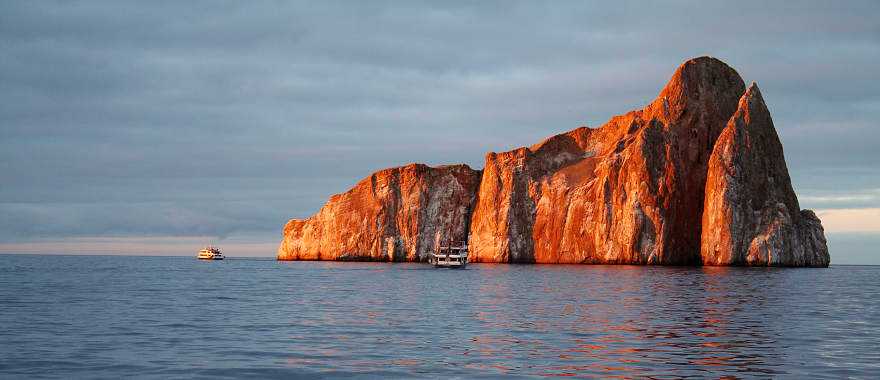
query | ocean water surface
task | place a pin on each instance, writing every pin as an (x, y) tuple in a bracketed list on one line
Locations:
[(170, 317)]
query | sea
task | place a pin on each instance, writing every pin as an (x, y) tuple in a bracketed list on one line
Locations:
[(176, 317)]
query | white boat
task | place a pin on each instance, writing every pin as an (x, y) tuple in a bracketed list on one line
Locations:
[(210, 253), (450, 256)]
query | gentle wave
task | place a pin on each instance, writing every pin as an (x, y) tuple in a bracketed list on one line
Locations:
[(105, 316)]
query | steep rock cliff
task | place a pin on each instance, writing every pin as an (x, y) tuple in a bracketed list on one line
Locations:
[(629, 192), (752, 215), (396, 214)]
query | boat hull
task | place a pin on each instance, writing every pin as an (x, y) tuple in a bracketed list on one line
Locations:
[(449, 261), (451, 266)]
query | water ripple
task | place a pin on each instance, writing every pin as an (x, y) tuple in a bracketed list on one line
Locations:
[(159, 317)]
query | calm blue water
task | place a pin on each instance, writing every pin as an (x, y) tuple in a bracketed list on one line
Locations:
[(160, 317)]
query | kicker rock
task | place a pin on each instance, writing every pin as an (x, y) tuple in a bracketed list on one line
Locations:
[(751, 214), (396, 214), (629, 192)]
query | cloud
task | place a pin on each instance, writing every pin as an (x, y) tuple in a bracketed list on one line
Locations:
[(850, 220), (840, 199), (145, 246), (214, 118)]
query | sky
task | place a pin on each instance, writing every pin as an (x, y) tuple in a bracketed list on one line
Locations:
[(156, 127)]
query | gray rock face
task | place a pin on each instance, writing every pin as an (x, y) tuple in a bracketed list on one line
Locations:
[(751, 215)]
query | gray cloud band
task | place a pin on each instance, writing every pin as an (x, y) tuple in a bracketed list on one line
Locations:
[(183, 119)]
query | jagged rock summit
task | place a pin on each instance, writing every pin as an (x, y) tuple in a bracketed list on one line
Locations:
[(751, 215), (696, 177)]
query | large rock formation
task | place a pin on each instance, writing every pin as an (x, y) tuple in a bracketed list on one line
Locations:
[(632, 191), (628, 192), (751, 215), (396, 214)]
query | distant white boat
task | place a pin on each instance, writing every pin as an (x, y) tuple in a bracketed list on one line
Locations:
[(210, 253)]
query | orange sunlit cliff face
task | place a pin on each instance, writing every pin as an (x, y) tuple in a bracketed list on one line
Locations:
[(696, 177), (395, 214)]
